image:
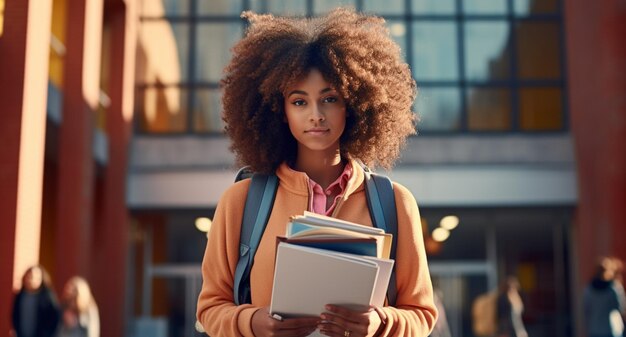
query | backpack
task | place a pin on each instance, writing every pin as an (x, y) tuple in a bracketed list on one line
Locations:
[(484, 311), (259, 204)]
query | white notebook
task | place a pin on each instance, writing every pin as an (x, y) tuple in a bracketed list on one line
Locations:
[(306, 279)]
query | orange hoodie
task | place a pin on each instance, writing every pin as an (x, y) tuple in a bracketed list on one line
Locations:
[(414, 313)]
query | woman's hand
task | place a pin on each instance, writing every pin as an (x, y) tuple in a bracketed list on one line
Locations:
[(264, 325), (343, 322), (70, 319)]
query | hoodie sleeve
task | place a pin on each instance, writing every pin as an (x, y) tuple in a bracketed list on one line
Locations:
[(414, 313), (216, 310)]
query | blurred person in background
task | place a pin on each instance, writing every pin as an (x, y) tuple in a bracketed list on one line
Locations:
[(80, 311), (509, 310), (35, 309), (604, 301)]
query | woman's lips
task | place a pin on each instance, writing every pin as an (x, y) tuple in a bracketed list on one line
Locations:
[(317, 131)]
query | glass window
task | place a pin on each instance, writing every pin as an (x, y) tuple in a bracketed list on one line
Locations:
[(324, 6), (213, 49), (538, 50), (219, 7), (161, 8), (162, 109), (280, 7), (173, 293), (393, 7), (528, 7), (57, 42), (163, 49), (487, 54), (208, 111), (397, 29), (488, 109), (541, 109), (439, 109), (430, 7), (435, 51), (456, 47), (456, 247), (484, 7), (178, 238)]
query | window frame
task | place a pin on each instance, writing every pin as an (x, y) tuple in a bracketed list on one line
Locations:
[(514, 84)]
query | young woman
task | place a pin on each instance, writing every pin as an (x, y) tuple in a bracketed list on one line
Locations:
[(80, 311), (307, 100), (510, 308), (604, 301), (35, 310)]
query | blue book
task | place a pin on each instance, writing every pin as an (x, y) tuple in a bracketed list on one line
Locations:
[(318, 231), (357, 246)]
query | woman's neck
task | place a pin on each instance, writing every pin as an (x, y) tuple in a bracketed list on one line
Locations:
[(324, 169)]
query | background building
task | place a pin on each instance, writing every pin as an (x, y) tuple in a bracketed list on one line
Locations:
[(523, 121), (66, 69)]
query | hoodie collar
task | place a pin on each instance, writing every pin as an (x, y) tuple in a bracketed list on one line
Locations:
[(298, 182)]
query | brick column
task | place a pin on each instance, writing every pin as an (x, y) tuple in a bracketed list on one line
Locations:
[(24, 67), (597, 82), (76, 164), (110, 283)]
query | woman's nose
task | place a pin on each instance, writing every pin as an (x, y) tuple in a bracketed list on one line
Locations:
[(317, 115)]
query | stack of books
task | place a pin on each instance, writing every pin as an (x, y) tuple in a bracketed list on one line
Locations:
[(323, 260)]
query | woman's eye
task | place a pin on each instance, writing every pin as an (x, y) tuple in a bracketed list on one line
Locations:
[(330, 99), (298, 102)]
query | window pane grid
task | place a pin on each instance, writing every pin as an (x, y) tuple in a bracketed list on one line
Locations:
[(441, 40), (162, 109), (492, 83), (513, 66), (164, 8)]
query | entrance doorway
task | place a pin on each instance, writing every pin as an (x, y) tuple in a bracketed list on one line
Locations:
[(487, 245), (457, 283)]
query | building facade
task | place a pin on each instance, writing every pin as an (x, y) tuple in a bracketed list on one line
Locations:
[(522, 125), (67, 72)]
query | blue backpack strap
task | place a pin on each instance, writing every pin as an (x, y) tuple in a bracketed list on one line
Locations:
[(244, 173), (382, 205), (258, 207)]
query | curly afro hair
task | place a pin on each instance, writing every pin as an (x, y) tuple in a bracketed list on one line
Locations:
[(354, 53)]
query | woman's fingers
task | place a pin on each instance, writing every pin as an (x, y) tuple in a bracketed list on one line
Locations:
[(297, 326), (341, 321), (265, 325), (333, 325), (295, 332), (358, 317), (332, 329)]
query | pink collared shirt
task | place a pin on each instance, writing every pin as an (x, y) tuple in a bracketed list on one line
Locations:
[(317, 202)]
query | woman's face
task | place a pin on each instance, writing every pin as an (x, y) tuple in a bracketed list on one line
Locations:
[(33, 279), (69, 291), (316, 114)]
